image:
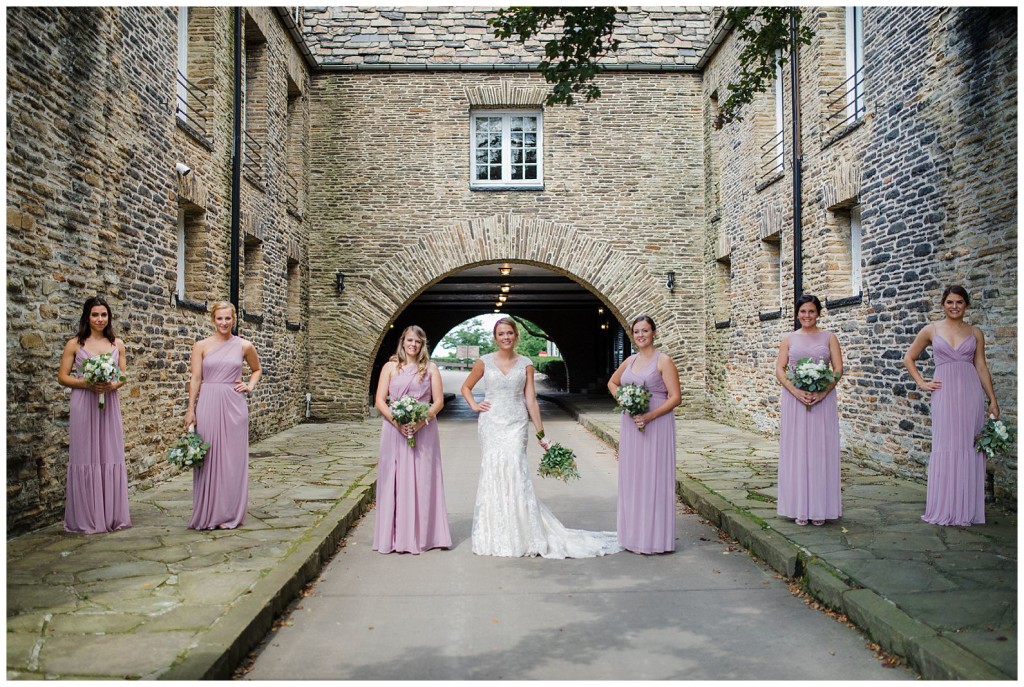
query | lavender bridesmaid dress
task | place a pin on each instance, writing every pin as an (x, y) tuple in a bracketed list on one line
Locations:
[(647, 471), (220, 487), (956, 472), (809, 472), (411, 512), (97, 494)]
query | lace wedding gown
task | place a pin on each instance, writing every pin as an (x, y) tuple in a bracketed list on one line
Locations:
[(508, 519)]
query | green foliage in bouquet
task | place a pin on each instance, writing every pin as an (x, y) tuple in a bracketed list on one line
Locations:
[(996, 438), (188, 451), (559, 462)]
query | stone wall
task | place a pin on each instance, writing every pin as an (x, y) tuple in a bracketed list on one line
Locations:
[(391, 207), (92, 207), (931, 164)]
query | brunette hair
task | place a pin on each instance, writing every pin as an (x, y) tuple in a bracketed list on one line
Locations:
[(223, 305), (644, 318), (807, 298), (958, 290), (422, 359), (510, 322), (83, 323)]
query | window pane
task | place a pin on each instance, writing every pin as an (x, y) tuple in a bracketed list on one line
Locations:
[(517, 156), (531, 155), (495, 157), (530, 140), (481, 172), (495, 141), (517, 140), (517, 172), (516, 124), (531, 171), (481, 156), (496, 172), (529, 123), (481, 140)]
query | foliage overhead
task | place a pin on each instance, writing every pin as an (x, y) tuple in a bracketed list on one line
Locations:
[(470, 333), (571, 60), (764, 33)]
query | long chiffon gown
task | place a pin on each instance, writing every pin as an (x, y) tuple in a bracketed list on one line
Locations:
[(647, 471), (509, 519), (809, 470), (956, 472), (220, 487), (411, 512), (97, 491)]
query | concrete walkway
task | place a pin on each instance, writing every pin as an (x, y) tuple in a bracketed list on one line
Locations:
[(161, 601), (943, 598)]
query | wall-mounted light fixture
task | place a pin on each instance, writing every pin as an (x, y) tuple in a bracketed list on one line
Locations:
[(670, 280), (182, 169), (604, 325), (505, 270), (339, 282), (600, 311)]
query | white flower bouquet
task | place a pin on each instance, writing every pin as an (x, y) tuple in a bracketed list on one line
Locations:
[(559, 462), (996, 438), (407, 410), (102, 368), (634, 399), (808, 375), (188, 451)]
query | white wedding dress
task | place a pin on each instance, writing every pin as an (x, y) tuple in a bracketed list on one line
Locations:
[(508, 519)]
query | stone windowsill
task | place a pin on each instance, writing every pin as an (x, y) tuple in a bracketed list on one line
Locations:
[(255, 319), (844, 132), (194, 134), (768, 182), (832, 304), (773, 315), (194, 306), (292, 327), (724, 324)]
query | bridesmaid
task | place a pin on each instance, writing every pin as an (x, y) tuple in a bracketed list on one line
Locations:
[(809, 473), (97, 490), (647, 460), (956, 472), (411, 512), (221, 484)]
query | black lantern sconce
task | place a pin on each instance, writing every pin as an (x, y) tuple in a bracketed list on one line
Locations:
[(670, 280), (339, 282)]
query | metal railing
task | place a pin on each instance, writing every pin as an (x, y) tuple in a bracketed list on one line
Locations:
[(191, 106), (773, 152), (852, 91), (291, 192), (252, 162)]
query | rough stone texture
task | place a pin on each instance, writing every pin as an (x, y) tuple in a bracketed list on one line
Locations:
[(932, 165), (366, 37), (92, 207), (394, 211), (98, 606)]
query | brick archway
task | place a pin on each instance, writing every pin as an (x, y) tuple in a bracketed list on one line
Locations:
[(617, 272)]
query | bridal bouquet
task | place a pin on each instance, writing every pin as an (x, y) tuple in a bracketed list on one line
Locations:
[(808, 375), (407, 410), (634, 399), (559, 462), (996, 438), (188, 451), (102, 368)]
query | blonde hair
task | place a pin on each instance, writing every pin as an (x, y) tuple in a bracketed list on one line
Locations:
[(422, 359), (510, 322), (222, 305)]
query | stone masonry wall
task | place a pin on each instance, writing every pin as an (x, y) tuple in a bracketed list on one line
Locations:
[(391, 207), (932, 165), (92, 207)]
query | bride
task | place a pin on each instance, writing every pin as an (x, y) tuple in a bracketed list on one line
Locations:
[(508, 519)]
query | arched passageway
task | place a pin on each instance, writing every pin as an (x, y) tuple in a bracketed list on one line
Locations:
[(591, 340)]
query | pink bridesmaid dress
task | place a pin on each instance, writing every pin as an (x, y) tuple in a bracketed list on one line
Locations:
[(97, 491), (809, 472), (411, 513), (956, 472), (646, 515), (220, 487)]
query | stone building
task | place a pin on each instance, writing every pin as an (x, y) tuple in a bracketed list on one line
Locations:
[(389, 155), (909, 156)]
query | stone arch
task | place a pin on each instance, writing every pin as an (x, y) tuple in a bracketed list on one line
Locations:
[(617, 271)]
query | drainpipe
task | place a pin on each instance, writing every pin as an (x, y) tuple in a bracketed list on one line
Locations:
[(798, 153), (236, 166)]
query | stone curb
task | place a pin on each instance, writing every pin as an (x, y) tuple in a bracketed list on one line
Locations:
[(230, 639), (934, 657)]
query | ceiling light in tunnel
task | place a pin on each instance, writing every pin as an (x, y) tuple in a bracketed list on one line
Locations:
[(502, 298), (505, 270), (505, 288), (600, 311), (497, 304)]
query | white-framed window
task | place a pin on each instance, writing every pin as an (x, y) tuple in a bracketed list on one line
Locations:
[(507, 149), (780, 118), (855, 62), (855, 250), (182, 62)]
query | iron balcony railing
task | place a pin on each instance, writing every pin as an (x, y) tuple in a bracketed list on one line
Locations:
[(851, 92), (773, 153), (253, 159), (191, 106), (291, 192)]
